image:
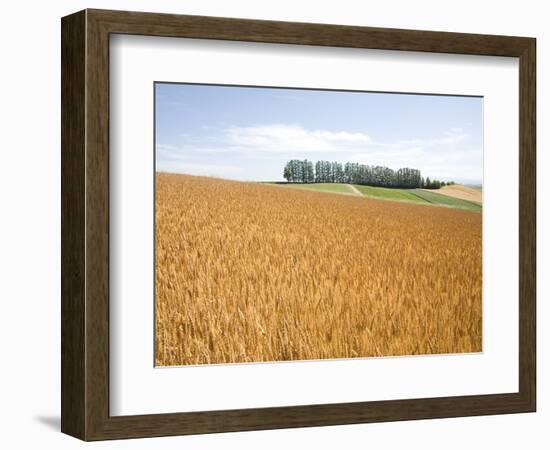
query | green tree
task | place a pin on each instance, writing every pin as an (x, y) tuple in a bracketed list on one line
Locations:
[(286, 172)]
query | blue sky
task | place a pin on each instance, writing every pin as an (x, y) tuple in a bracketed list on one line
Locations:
[(247, 133)]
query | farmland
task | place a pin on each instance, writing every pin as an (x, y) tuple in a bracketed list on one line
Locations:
[(249, 272), (445, 200), (390, 194), (473, 194), (456, 196), (335, 188)]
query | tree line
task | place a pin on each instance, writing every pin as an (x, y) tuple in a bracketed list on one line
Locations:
[(305, 171)]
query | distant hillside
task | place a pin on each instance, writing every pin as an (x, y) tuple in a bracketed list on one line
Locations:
[(462, 192), (419, 196)]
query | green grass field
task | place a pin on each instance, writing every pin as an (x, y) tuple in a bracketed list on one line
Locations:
[(443, 200), (335, 188), (418, 196), (406, 195)]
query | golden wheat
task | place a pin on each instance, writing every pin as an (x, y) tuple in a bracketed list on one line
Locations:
[(248, 272)]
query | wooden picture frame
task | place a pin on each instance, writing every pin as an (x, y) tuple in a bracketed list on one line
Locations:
[(85, 224)]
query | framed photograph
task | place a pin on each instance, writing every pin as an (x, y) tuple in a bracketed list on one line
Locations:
[(273, 225)]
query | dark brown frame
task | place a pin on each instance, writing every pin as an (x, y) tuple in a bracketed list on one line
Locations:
[(85, 224)]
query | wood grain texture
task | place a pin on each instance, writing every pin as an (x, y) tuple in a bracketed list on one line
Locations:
[(73, 227), (527, 225), (85, 224), (97, 226), (201, 27)]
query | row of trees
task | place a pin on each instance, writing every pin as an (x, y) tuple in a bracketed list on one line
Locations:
[(304, 171)]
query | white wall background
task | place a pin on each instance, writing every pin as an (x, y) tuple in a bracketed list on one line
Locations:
[(30, 221)]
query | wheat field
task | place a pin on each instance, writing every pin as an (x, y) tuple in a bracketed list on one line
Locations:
[(247, 272)]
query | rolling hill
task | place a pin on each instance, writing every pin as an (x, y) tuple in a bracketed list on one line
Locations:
[(456, 196)]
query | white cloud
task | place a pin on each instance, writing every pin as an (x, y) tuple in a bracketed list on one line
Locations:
[(452, 136), (390, 156), (171, 158), (221, 152), (282, 138), (193, 168), (295, 139)]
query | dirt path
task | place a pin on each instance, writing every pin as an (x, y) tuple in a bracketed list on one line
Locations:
[(355, 191)]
